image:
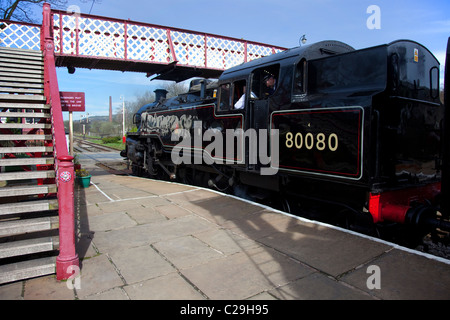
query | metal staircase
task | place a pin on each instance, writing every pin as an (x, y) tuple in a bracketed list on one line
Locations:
[(28, 203)]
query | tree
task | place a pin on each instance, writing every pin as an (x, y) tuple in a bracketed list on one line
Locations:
[(175, 89), (23, 10)]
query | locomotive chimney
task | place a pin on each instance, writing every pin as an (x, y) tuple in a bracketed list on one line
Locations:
[(445, 209), (160, 94)]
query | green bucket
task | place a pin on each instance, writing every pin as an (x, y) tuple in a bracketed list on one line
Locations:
[(84, 181)]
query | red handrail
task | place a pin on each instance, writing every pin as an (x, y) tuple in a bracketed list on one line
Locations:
[(67, 257)]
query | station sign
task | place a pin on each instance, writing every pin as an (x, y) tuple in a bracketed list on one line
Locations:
[(72, 101)]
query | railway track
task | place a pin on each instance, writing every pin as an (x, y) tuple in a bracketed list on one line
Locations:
[(82, 145)]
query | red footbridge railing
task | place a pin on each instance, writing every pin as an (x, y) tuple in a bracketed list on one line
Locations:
[(90, 41)]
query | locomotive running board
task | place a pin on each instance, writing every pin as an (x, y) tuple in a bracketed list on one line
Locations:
[(445, 206)]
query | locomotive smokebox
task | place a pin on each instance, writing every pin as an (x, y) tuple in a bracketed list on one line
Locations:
[(445, 206)]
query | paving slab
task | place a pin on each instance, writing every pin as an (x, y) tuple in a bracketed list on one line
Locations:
[(226, 241), (185, 252), (145, 215), (245, 274), (172, 211), (318, 245), (12, 291), (169, 287), (110, 221), (405, 275), (119, 206), (140, 263), (47, 288), (213, 207), (98, 274), (318, 286), (117, 293), (260, 224), (149, 233)]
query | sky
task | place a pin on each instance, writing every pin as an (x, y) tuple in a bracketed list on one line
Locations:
[(279, 23)]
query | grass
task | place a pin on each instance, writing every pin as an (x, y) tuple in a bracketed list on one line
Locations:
[(98, 140)]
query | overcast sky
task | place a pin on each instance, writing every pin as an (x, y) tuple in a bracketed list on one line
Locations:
[(280, 23)]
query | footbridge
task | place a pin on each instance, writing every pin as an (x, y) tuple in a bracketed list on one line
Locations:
[(95, 42), (37, 223)]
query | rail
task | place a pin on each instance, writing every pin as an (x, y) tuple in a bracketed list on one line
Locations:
[(64, 167)]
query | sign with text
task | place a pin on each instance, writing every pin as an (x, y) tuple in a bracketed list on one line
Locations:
[(72, 101)]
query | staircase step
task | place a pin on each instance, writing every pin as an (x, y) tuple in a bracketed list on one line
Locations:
[(23, 247), (22, 226), (27, 190), (21, 79), (21, 51), (21, 76), (24, 58), (25, 149), (25, 137), (24, 175), (21, 90), (22, 66), (25, 126), (4, 58), (21, 85), (24, 114), (29, 206), (22, 97), (26, 161), (14, 105), (21, 70), (27, 269)]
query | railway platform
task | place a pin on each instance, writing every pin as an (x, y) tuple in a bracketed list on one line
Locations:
[(143, 239)]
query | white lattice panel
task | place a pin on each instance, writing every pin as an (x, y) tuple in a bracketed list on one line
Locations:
[(68, 35), (101, 38), (225, 53), (255, 51), (147, 44), (189, 48), (56, 32), (22, 36)]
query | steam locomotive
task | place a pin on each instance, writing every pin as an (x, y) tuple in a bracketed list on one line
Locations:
[(357, 134)]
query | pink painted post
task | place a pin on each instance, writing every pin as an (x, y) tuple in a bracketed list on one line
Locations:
[(67, 258)]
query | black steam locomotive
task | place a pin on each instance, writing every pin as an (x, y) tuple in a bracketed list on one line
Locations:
[(357, 134)]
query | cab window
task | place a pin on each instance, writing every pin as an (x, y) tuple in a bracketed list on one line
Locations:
[(300, 78), (224, 97), (232, 95), (265, 81), (239, 88)]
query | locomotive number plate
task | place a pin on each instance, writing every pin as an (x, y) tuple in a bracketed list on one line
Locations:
[(325, 141)]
